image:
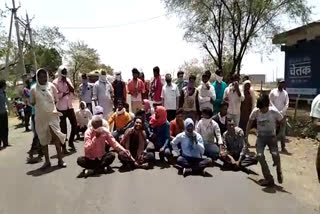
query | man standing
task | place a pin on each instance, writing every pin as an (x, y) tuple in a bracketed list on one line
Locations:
[(207, 95), (86, 92), (103, 94), (145, 95), (180, 81), (170, 97), (221, 117), (4, 129), (189, 99), (315, 115), (280, 100), (234, 97), (120, 90), (156, 87), (219, 87), (64, 105), (136, 88), (267, 118), (27, 107)]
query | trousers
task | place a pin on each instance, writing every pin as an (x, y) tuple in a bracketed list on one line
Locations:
[(4, 129), (63, 124), (106, 160), (196, 164)]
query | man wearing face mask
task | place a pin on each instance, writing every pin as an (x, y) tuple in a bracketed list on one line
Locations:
[(120, 90), (189, 99), (207, 94), (64, 105), (103, 94), (180, 81), (86, 90), (233, 96), (170, 97), (219, 87)]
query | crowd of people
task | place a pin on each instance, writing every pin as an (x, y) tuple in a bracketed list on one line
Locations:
[(186, 125)]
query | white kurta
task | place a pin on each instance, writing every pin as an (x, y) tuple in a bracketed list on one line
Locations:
[(103, 92), (46, 114)]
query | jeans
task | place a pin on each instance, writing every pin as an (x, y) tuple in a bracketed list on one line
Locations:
[(4, 129), (63, 124), (27, 115), (235, 118), (196, 164), (271, 142), (36, 147), (106, 160), (212, 151), (151, 148), (282, 134)]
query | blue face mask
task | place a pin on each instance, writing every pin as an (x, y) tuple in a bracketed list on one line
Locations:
[(84, 81)]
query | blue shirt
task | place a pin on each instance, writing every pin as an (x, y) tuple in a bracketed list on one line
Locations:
[(219, 95), (188, 148), (162, 135)]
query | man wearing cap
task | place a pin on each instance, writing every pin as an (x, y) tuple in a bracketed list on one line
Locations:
[(103, 94), (136, 88), (120, 90), (86, 91), (64, 105), (279, 99)]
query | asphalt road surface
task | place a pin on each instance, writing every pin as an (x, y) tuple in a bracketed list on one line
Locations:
[(24, 189)]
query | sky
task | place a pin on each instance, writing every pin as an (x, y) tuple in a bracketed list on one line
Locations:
[(136, 33)]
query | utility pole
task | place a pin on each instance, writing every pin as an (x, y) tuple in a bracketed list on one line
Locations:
[(31, 43), (6, 71)]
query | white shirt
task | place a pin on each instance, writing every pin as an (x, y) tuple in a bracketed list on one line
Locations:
[(315, 107), (280, 100), (83, 117), (209, 131), (205, 96), (169, 95), (234, 100)]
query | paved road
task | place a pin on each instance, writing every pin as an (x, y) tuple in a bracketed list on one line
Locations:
[(24, 190)]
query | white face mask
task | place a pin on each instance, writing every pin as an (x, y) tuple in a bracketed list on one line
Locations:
[(219, 79), (103, 78)]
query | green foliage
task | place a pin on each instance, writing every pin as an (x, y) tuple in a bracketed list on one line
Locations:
[(50, 37), (227, 28), (107, 68), (192, 67)]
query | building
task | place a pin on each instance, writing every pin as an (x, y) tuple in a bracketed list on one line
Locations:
[(302, 60)]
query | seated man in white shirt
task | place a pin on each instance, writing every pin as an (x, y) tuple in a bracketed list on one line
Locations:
[(280, 100), (83, 116)]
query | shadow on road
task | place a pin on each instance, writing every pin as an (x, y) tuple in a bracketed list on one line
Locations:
[(286, 153), (19, 126), (272, 189), (39, 172)]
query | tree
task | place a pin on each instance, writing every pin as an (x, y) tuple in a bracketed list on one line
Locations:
[(192, 67), (50, 37), (107, 68), (227, 28), (82, 59)]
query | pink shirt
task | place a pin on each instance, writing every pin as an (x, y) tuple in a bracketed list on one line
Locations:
[(65, 102), (94, 147)]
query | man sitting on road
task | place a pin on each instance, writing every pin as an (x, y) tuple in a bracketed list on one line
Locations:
[(234, 154), (97, 157), (83, 116), (192, 149)]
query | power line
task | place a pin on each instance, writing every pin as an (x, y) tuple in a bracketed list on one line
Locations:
[(114, 26)]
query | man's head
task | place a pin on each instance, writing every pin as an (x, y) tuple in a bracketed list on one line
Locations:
[(205, 78), (189, 125), (96, 121), (118, 76), (141, 76), (138, 124), (120, 104), (219, 76), (168, 78), (207, 113), (42, 76), (263, 103), (245, 78), (281, 85), (247, 85), (3, 84), (135, 73), (230, 126), (103, 73), (142, 114), (180, 75), (63, 72), (179, 114), (208, 73), (84, 78), (156, 71), (82, 105), (223, 109)]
